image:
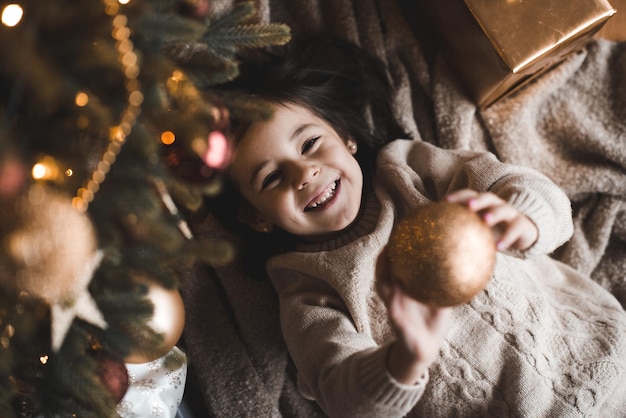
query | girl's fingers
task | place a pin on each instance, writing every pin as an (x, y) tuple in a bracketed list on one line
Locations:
[(511, 228), (474, 200), (511, 225), (461, 196), (510, 236), (420, 328), (500, 213), (520, 233), (441, 321), (485, 201)]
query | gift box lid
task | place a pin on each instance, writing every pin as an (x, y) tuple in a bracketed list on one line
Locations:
[(524, 31)]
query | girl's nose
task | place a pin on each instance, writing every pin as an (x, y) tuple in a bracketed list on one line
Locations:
[(305, 173)]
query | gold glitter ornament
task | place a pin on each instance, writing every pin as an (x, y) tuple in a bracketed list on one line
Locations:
[(443, 253)]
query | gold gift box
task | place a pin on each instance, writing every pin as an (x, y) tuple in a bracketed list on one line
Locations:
[(497, 46)]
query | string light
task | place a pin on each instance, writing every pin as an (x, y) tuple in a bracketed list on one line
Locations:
[(168, 137), (39, 171), (117, 134), (45, 169), (81, 99), (6, 336), (12, 15)]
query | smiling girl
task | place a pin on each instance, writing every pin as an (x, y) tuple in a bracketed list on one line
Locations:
[(300, 174), (361, 346)]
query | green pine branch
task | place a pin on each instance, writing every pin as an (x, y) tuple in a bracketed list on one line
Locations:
[(212, 46), (64, 47), (226, 41)]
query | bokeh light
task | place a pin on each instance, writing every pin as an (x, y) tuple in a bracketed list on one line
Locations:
[(81, 99), (12, 15), (216, 155), (168, 137), (46, 169)]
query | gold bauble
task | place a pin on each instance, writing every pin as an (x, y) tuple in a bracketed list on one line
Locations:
[(50, 244), (168, 320), (443, 253)]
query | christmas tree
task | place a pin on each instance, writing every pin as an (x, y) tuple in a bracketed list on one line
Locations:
[(107, 128)]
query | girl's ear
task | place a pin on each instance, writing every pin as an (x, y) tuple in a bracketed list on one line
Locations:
[(253, 218), (351, 144)]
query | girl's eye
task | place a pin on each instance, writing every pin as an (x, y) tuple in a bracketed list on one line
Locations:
[(270, 179), (309, 144)]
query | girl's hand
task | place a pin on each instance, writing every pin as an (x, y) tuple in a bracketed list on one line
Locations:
[(419, 328), (513, 229)]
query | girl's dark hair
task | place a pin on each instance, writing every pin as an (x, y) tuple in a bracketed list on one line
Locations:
[(338, 82)]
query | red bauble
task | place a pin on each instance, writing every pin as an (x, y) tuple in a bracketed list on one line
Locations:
[(187, 165), (113, 374), (12, 176), (199, 9)]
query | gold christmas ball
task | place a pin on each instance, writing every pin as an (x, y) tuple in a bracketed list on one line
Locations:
[(443, 253), (168, 320), (50, 245)]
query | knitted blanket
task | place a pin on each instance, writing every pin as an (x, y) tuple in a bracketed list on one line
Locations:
[(569, 124)]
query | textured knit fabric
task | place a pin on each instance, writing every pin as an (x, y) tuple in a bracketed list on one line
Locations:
[(540, 341)]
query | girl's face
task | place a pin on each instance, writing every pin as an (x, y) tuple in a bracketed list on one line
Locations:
[(297, 174)]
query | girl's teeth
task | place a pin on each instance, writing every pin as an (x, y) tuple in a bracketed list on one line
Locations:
[(327, 195)]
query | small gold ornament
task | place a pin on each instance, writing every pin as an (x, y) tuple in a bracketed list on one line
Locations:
[(168, 320), (443, 253)]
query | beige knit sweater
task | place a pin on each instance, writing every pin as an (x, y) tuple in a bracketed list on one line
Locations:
[(540, 341)]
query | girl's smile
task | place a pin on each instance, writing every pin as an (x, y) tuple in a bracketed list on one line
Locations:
[(297, 174), (325, 198)]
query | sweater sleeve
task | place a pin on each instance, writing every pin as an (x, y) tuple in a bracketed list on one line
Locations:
[(529, 191), (343, 369), (439, 171)]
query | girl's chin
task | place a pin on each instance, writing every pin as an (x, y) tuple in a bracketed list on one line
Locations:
[(338, 228)]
